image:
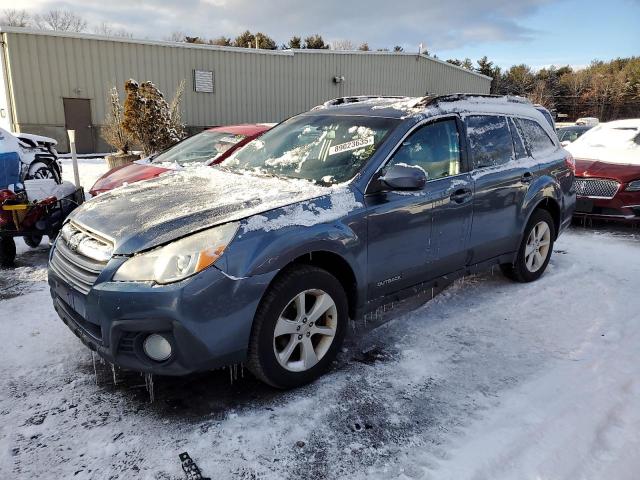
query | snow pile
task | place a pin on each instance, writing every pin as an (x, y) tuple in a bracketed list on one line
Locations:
[(611, 142)]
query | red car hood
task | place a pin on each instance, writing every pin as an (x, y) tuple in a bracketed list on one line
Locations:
[(118, 176), (617, 171)]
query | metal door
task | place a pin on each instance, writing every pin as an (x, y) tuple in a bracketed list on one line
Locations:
[(77, 116)]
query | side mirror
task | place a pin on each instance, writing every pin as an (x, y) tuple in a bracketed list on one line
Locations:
[(404, 177)]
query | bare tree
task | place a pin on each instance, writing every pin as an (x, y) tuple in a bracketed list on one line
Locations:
[(176, 36), (221, 41), (15, 18), (61, 20), (105, 29), (113, 131), (364, 47), (343, 45)]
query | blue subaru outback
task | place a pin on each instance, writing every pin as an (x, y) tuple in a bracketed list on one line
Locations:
[(331, 214)]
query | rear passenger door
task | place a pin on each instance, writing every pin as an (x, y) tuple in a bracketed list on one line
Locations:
[(501, 175)]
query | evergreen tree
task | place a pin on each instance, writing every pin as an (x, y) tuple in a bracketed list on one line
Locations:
[(315, 42)]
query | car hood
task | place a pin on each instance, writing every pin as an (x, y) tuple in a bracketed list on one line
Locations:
[(131, 173), (617, 171), (148, 214)]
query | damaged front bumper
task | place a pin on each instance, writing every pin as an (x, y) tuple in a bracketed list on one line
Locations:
[(206, 318)]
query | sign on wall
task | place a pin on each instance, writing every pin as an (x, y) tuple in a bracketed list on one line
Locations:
[(203, 81)]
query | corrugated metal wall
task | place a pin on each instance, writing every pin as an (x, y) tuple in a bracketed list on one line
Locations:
[(250, 85)]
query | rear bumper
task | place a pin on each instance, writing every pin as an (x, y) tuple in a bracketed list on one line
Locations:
[(207, 319)]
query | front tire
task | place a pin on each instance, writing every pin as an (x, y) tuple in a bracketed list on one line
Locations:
[(43, 171), (32, 241), (535, 249), (298, 328)]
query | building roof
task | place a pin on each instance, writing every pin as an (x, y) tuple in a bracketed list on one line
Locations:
[(254, 51)]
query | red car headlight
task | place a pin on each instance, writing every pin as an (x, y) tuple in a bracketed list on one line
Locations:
[(633, 186)]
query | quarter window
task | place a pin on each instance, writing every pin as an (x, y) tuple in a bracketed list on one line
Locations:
[(538, 140), (489, 140), (518, 140), (434, 147)]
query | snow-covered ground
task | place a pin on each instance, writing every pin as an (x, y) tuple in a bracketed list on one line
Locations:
[(490, 380)]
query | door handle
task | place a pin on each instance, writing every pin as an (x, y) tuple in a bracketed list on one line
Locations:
[(527, 177), (461, 195)]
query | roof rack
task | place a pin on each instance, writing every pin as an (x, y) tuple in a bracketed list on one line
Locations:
[(354, 99), (454, 97)]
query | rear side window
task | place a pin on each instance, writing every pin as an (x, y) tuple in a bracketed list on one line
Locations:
[(435, 148), (489, 140), (518, 140), (539, 142)]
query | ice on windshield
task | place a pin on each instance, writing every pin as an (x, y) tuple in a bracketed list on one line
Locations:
[(200, 148), (324, 149)]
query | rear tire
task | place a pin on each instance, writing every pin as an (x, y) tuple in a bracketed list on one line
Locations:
[(7, 251), (535, 249), (298, 328)]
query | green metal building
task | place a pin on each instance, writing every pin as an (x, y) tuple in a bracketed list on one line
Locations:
[(53, 81)]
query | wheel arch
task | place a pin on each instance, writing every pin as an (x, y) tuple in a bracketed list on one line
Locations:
[(337, 266), (552, 206)]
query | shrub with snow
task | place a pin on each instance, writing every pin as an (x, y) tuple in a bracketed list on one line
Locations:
[(149, 119)]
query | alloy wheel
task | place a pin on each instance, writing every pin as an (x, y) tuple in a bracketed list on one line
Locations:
[(305, 330), (537, 248)]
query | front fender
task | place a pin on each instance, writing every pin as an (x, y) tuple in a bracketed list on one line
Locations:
[(260, 252)]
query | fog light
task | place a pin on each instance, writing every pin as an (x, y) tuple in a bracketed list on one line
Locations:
[(157, 347)]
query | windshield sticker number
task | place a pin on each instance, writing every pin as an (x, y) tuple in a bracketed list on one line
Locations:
[(352, 145)]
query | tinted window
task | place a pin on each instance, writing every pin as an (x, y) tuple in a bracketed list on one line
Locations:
[(538, 140), (518, 140), (326, 149), (489, 140), (434, 147)]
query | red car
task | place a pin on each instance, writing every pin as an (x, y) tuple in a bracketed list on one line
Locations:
[(608, 171), (208, 148)]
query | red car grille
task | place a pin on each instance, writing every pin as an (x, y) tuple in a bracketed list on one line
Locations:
[(596, 187)]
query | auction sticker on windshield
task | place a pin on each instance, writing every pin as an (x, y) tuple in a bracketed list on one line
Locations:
[(352, 145)]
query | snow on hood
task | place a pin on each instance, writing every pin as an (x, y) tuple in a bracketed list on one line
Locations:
[(611, 142), (150, 213)]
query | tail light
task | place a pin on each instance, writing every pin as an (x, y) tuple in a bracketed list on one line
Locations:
[(570, 162)]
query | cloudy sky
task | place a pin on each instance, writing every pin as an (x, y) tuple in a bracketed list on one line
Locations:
[(537, 32)]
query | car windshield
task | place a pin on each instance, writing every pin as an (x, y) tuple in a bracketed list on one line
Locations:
[(326, 149), (200, 148)]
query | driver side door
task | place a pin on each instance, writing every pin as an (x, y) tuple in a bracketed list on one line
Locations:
[(415, 236)]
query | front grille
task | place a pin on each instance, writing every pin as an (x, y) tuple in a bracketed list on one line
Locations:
[(77, 269), (596, 187), (76, 323), (127, 342)]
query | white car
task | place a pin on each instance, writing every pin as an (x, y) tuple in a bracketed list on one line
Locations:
[(38, 155)]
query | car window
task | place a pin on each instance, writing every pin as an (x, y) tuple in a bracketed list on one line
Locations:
[(539, 142), (200, 148), (435, 148), (327, 149), (489, 140), (518, 140)]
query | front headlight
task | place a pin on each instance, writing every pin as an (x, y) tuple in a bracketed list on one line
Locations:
[(180, 259), (633, 186)]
